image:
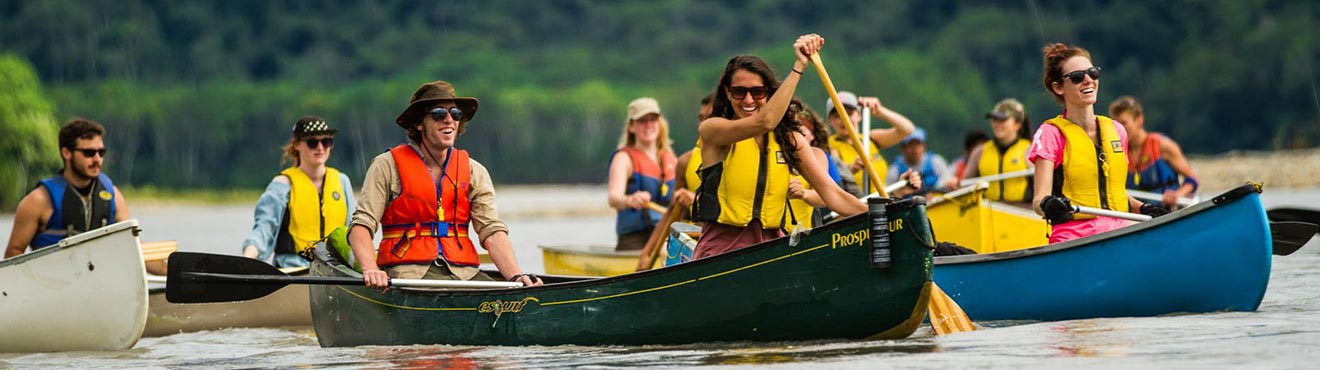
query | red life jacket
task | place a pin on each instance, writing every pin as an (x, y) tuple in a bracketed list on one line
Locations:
[(417, 227)]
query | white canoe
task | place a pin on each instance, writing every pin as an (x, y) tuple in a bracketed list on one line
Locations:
[(87, 293), (287, 307)]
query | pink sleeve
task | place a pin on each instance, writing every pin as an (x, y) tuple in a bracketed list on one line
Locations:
[(1122, 135), (1048, 144)]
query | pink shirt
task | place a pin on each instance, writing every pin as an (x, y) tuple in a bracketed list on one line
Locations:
[(1048, 144)]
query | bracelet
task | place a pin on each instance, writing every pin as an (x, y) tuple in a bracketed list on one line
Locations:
[(794, 70)]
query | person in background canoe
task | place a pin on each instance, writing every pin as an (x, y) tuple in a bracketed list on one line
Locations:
[(641, 171), (881, 138), (933, 168), (1006, 153), (303, 203), (971, 141), (803, 201), (79, 199), (685, 184), (1157, 161), (1092, 171), (424, 194), (749, 146)]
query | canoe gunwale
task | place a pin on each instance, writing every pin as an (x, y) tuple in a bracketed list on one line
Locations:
[(72, 241), (1231, 195)]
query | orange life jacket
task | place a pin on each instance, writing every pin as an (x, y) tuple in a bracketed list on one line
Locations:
[(418, 228)]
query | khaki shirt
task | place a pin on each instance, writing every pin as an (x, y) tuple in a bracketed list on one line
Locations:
[(382, 185)]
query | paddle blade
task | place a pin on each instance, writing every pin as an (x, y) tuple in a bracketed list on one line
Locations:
[(1294, 214), (183, 286), (1289, 236), (946, 317)]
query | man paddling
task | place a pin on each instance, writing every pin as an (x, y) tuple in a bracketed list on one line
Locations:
[(81, 198), (424, 194)]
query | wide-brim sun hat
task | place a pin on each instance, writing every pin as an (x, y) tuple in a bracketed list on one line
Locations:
[(427, 95)]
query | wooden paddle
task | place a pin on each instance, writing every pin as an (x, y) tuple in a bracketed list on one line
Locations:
[(651, 253), (1288, 236), (942, 309), (207, 278), (154, 255)]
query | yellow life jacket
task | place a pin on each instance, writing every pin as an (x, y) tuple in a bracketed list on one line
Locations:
[(750, 183), (993, 163), (692, 174), (801, 210), (311, 215), (848, 155), (1089, 178)]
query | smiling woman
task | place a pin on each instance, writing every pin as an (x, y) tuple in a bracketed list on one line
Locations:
[(1091, 172), (641, 171), (305, 202)]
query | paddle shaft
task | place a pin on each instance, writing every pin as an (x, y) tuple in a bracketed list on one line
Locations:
[(651, 252), (1182, 202), (999, 177), (876, 182), (218, 278), (1108, 213)]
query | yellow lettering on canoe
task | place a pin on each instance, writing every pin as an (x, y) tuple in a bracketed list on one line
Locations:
[(843, 240), (895, 225)]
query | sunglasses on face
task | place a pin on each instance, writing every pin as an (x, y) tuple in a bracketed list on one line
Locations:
[(91, 152), (313, 143), (1077, 76), (438, 114), (739, 92)]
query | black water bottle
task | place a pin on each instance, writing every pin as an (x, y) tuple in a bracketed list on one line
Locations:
[(880, 257)]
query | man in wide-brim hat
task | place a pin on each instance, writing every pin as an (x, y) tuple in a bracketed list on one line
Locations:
[(426, 196)]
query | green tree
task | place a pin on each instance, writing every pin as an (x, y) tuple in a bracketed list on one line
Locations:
[(27, 130)]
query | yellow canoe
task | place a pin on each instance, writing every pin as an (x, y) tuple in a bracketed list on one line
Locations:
[(591, 260), (965, 217)]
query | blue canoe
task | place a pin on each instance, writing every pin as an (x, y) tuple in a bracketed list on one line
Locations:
[(1213, 256)]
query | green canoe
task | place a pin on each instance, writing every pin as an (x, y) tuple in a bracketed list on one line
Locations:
[(822, 287)]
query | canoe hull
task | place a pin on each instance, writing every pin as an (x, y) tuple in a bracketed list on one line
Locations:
[(287, 307), (87, 293), (1209, 257), (823, 287), (578, 261), (969, 220)]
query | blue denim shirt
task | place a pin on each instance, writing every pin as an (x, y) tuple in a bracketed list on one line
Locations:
[(267, 217)]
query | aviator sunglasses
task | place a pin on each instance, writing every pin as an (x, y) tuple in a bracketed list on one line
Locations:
[(740, 92), (313, 143), (89, 152), (1076, 76), (439, 114)]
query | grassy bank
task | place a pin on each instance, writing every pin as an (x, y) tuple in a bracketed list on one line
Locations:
[(151, 195)]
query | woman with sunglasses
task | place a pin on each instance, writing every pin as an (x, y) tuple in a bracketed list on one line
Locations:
[(749, 147), (644, 173), (1156, 161), (1079, 156), (302, 204)]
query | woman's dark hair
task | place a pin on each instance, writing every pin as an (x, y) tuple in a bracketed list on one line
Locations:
[(973, 139), (788, 124)]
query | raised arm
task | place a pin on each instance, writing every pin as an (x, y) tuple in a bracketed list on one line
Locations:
[(887, 137), (720, 131)]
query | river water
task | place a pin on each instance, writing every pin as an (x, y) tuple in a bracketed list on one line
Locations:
[(1284, 333)]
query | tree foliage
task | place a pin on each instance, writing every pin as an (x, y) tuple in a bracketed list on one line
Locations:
[(203, 93), (27, 130)]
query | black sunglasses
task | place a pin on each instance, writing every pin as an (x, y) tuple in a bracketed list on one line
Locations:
[(328, 142), (88, 152), (1076, 76), (439, 114), (740, 92)]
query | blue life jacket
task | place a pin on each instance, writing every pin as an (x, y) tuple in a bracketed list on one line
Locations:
[(647, 176), (71, 215), (928, 176)]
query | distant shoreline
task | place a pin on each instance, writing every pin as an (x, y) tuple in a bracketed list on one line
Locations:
[(1278, 169)]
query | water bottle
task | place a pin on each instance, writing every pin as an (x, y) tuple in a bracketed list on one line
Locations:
[(880, 258)]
